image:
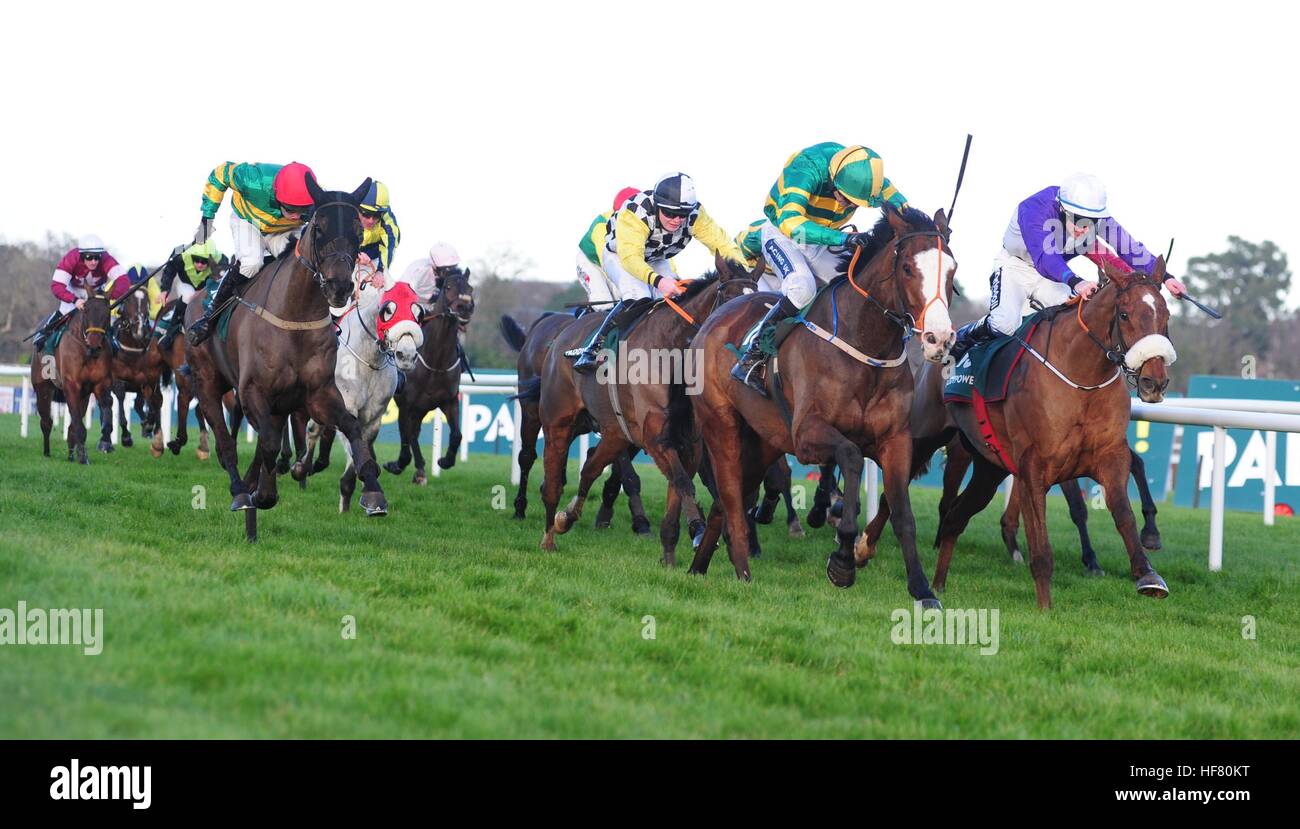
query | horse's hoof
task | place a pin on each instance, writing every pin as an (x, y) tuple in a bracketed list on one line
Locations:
[(641, 525), (175, 446), (931, 604), (446, 463), (761, 515), (1153, 586), (837, 509), (863, 551), (420, 479), (669, 559), (261, 501), (548, 543), (155, 450), (1017, 557), (299, 472), (127, 441), (345, 504), (83, 460), (840, 575), (282, 467), (1151, 541), (1094, 572), (105, 446), (202, 454), (602, 524), (242, 501), (519, 515), (392, 467), (374, 503), (817, 517), (693, 571), (796, 530), (561, 522)]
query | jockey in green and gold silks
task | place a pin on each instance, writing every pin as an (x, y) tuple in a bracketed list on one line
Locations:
[(817, 193), (269, 202), (186, 271)]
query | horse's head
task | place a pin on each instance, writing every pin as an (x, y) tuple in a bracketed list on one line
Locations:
[(455, 297), (398, 325), (332, 239), (95, 321), (134, 314), (734, 279), (922, 270), (1140, 327)]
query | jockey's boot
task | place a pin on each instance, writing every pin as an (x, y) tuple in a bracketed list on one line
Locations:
[(586, 362), (744, 370), (199, 331), (970, 335), (43, 332), (178, 321)]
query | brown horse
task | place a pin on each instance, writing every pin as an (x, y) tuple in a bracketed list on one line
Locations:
[(832, 404), (533, 346), (631, 412), (1065, 417), (435, 381), (280, 353), (81, 369), (136, 366), (173, 361)]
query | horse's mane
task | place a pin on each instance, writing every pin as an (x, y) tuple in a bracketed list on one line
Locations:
[(883, 234), (695, 287)]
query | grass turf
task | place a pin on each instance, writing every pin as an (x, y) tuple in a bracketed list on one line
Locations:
[(465, 629)]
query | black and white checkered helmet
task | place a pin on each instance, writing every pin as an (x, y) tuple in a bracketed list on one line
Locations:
[(675, 192)]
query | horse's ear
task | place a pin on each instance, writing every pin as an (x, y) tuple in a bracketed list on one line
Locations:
[(313, 189), (896, 220), (360, 193), (1111, 273), (1158, 272), (467, 274), (941, 222)]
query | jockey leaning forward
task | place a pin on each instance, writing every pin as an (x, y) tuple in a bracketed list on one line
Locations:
[(87, 267)]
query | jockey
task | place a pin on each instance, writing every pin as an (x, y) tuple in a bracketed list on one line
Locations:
[(1049, 228), (270, 202), (381, 233), (194, 264), (85, 268), (425, 275), (591, 250), (651, 228), (816, 194)]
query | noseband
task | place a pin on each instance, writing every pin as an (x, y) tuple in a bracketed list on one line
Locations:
[(315, 268)]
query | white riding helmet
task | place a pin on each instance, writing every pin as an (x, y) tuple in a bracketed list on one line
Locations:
[(90, 243), (443, 255), (1083, 195)]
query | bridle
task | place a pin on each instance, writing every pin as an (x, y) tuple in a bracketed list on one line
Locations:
[(147, 326), (904, 319), (315, 268), (1117, 355)]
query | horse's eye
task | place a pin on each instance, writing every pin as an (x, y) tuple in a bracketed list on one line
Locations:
[(1123, 315), (388, 310)]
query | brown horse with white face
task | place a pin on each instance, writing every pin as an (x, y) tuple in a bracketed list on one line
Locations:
[(1065, 416), (136, 366), (835, 403), (280, 353), (81, 368)]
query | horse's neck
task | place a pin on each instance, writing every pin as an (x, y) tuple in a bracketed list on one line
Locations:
[(862, 323), (358, 328), (291, 287), (1070, 346), (440, 338)]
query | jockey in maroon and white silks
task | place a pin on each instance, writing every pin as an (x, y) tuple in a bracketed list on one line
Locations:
[(85, 268)]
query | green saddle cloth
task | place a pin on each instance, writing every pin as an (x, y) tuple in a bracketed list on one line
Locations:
[(981, 369)]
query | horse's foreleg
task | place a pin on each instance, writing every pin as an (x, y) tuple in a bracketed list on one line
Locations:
[(327, 407), (528, 431), (1079, 515), (1031, 490), (124, 414), (451, 411), (822, 496), (727, 466), (608, 495), (105, 400), (555, 456), (1150, 532), (210, 406), (325, 448), (597, 459), (404, 441), (1112, 472), (632, 488)]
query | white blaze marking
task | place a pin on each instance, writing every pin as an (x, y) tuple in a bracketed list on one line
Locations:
[(935, 267), (1149, 300)]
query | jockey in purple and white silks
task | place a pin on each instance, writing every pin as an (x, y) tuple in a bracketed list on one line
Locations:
[(1047, 230)]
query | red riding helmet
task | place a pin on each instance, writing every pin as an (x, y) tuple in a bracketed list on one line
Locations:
[(291, 185), (622, 197)]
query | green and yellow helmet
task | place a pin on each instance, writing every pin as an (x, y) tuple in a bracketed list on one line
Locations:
[(858, 173), (376, 200)]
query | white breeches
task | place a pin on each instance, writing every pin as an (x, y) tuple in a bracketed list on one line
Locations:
[(1015, 282)]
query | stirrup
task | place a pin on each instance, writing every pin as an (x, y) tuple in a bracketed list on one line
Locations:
[(746, 375)]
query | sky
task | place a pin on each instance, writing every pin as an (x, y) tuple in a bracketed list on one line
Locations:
[(502, 124)]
